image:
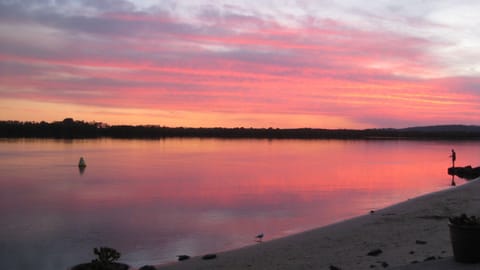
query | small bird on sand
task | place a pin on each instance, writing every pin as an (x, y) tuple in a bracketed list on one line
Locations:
[(259, 237)]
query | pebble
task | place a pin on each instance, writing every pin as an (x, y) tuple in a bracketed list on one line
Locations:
[(375, 252), (183, 257), (147, 267), (209, 257)]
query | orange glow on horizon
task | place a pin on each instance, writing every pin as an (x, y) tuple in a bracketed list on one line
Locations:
[(240, 71)]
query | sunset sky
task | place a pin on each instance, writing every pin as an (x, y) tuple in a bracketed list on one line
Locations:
[(263, 63)]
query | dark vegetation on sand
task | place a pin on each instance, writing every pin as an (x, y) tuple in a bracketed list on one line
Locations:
[(105, 260), (71, 129)]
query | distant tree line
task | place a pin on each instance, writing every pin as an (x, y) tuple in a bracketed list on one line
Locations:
[(71, 129)]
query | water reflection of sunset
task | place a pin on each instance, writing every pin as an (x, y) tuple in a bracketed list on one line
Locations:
[(193, 195), (214, 174)]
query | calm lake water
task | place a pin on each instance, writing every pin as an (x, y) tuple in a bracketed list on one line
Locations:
[(154, 199)]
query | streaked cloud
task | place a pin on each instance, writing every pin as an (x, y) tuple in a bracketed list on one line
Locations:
[(292, 64)]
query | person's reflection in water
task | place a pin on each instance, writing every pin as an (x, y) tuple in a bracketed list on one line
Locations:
[(454, 157)]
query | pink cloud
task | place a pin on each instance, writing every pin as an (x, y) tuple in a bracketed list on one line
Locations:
[(160, 62)]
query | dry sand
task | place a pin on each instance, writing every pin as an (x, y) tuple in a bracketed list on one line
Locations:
[(412, 231)]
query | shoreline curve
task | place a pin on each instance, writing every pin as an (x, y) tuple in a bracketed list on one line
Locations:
[(404, 233)]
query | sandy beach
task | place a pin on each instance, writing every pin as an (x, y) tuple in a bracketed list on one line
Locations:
[(407, 234)]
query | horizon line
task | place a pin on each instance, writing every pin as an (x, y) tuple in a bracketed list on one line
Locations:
[(103, 124)]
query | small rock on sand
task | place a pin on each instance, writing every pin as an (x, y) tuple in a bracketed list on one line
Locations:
[(209, 257), (374, 252), (431, 258), (147, 267), (183, 257)]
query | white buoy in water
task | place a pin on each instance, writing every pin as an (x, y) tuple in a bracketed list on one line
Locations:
[(82, 163)]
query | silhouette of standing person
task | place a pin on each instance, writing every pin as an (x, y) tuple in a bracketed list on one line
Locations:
[(454, 157)]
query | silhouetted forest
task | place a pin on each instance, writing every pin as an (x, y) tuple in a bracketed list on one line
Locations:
[(71, 129)]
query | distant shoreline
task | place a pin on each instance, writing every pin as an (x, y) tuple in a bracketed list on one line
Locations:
[(71, 129)]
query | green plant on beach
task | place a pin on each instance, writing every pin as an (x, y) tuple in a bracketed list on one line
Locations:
[(105, 255), (105, 260), (464, 220)]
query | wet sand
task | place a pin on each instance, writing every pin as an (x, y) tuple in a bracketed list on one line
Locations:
[(404, 234)]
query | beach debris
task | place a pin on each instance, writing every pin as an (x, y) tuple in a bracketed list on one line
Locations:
[(209, 256), (384, 264), (431, 258), (463, 220), (372, 211), (333, 267), (82, 163), (183, 257), (374, 252), (259, 237), (420, 242), (147, 267), (434, 217)]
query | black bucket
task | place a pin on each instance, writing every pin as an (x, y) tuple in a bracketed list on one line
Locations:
[(465, 243)]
